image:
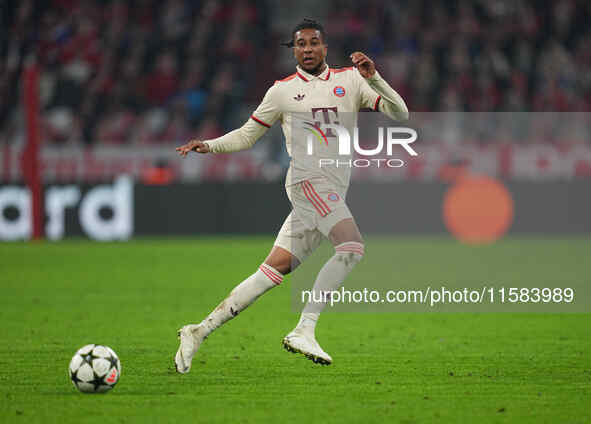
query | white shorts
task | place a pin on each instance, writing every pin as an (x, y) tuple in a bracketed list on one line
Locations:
[(317, 206)]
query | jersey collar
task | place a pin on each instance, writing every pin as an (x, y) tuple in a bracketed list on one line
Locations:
[(324, 76)]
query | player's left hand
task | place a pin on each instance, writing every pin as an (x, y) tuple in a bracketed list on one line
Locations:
[(193, 146), (364, 64)]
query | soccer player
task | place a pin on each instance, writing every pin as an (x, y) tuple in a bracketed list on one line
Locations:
[(316, 193)]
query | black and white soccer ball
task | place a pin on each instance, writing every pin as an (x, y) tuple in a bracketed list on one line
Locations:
[(95, 369)]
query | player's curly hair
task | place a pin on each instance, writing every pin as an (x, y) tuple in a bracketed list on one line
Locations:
[(305, 24)]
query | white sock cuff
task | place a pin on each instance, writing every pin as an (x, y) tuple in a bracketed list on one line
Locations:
[(271, 273), (308, 321), (312, 316), (350, 247)]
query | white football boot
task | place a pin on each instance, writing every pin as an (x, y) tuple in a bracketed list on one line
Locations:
[(299, 342), (191, 337)]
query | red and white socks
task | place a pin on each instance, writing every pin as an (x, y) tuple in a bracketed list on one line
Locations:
[(245, 293), (330, 277)]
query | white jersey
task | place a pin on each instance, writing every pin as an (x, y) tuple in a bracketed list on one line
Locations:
[(305, 104), (333, 97)]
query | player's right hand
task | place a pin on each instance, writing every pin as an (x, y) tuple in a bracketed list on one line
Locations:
[(194, 146)]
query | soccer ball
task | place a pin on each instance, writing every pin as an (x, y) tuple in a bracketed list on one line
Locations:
[(95, 369)]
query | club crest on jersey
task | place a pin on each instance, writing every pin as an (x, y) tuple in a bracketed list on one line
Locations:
[(339, 91), (299, 97), (333, 197)]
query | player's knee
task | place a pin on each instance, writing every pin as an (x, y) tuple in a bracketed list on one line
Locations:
[(283, 266), (282, 260), (351, 252)]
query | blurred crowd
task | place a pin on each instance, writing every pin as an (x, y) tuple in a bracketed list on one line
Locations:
[(131, 71), (162, 71), (478, 55)]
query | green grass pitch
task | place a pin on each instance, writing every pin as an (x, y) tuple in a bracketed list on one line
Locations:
[(388, 367)]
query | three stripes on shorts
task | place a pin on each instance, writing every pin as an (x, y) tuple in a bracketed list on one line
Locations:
[(314, 198)]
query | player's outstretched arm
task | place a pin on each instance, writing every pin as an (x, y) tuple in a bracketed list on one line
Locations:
[(239, 139), (244, 137), (392, 104)]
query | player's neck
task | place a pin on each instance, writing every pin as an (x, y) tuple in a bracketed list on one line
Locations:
[(320, 69)]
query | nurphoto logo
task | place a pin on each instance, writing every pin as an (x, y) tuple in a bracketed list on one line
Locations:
[(388, 137)]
